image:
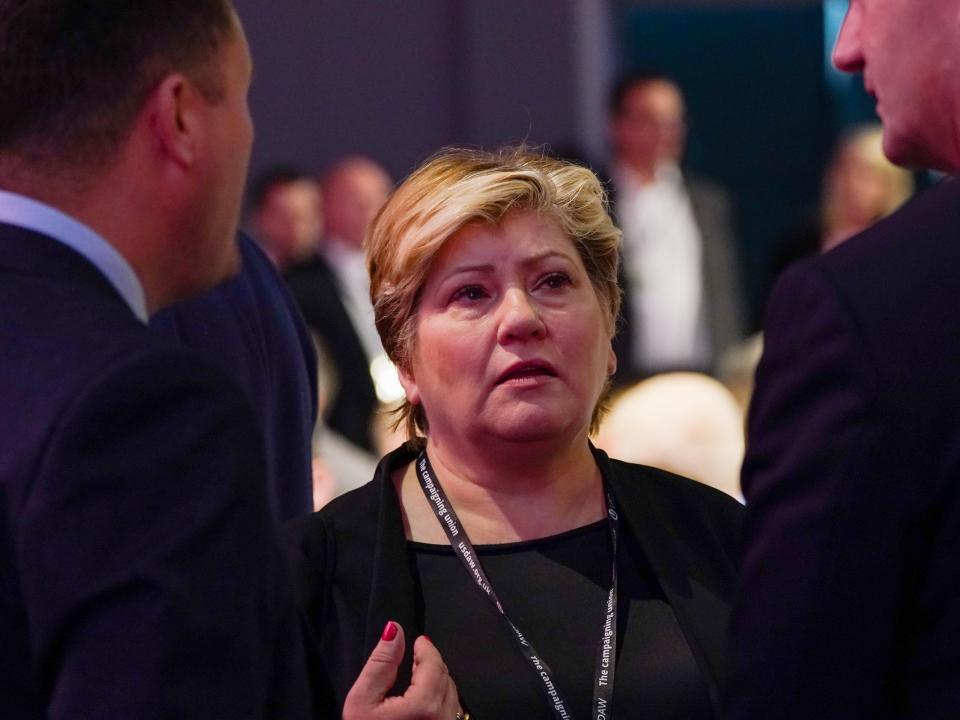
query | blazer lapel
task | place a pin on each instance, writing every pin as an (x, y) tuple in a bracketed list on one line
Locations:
[(393, 592), (701, 615)]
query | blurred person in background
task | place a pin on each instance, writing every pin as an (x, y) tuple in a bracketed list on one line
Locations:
[(683, 298), (860, 187), (848, 607), (286, 215), (333, 293), (494, 278), (338, 465), (686, 423)]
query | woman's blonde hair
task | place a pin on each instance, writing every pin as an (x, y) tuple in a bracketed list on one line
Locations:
[(865, 143), (461, 186)]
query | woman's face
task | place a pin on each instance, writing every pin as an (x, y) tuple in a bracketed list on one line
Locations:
[(511, 340)]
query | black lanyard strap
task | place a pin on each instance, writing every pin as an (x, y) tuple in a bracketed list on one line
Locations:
[(607, 647)]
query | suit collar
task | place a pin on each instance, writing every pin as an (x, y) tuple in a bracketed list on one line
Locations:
[(31, 214), (30, 253)]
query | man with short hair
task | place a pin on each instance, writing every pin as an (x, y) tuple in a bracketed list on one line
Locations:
[(683, 300), (140, 576), (286, 215), (851, 578)]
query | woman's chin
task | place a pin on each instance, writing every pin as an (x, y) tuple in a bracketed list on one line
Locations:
[(532, 424)]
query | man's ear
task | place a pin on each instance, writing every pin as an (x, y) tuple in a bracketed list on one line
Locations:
[(175, 113), (409, 384)]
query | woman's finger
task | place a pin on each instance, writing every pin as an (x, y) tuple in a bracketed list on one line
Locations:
[(377, 676)]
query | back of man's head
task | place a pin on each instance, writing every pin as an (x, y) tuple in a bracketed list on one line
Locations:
[(74, 74)]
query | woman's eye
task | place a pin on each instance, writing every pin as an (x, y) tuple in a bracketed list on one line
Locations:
[(469, 292), (556, 281)]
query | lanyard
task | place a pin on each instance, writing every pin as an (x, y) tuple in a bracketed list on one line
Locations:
[(606, 648)]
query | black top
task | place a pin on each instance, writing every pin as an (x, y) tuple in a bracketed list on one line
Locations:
[(353, 572), (554, 589)]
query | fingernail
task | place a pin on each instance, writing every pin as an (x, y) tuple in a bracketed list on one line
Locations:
[(389, 631)]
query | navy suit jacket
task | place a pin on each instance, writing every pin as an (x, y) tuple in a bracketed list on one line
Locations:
[(140, 575), (252, 327), (850, 606)]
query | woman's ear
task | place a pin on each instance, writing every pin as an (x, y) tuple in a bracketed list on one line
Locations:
[(611, 362), (409, 384)]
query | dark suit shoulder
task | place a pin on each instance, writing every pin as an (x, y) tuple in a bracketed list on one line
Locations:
[(893, 289), (906, 248), (705, 188)]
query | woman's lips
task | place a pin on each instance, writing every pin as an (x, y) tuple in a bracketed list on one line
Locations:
[(526, 372)]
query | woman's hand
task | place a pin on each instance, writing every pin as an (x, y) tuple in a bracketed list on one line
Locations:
[(431, 695)]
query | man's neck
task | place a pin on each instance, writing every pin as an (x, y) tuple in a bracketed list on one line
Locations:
[(108, 207), (638, 172)]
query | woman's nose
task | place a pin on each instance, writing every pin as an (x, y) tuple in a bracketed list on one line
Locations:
[(520, 318)]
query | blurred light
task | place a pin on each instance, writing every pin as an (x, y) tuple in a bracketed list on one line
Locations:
[(386, 380)]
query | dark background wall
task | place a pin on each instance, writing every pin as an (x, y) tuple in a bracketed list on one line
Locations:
[(397, 79)]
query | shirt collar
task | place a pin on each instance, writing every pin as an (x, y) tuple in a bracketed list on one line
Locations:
[(665, 174), (33, 215)]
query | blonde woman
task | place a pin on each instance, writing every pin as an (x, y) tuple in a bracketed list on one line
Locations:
[(551, 580)]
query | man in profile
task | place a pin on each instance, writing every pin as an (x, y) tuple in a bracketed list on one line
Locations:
[(140, 576), (851, 575)]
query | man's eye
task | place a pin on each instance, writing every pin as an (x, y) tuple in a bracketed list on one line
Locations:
[(468, 292)]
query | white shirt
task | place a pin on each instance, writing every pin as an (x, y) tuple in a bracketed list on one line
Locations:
[(33, 215), (350, 267), (663, 259)]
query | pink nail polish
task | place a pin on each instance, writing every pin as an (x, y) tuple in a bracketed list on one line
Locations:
[(389, 631)]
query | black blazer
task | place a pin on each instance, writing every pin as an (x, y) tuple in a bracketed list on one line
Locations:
[(140, 573), (352, 570), (851, 583)]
